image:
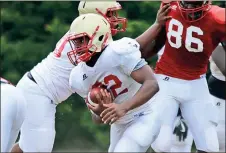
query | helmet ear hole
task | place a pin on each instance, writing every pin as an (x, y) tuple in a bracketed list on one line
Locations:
[(101, 38)]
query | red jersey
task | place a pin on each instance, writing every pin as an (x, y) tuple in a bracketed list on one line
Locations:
[(190, 44)]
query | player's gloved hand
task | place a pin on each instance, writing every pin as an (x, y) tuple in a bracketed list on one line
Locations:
[(112, 113), (103, 97), (162, 17), (181, 129)]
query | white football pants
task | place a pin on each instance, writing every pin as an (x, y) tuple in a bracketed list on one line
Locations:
[(135, 136), (13, 110), (196, 106), (38, 129)]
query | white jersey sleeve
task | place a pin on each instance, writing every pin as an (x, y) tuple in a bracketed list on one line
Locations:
[(128, 54), (52, 73), (76, 83)]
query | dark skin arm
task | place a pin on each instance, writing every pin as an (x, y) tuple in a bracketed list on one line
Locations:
[(96, 119), (155, 46), (156, 33), (218, 56), (149, 88)]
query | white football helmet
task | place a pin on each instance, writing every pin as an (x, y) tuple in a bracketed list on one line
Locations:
[(88, 34), (108, 9)]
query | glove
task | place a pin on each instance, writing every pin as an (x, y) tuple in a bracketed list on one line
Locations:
[(181, 129)]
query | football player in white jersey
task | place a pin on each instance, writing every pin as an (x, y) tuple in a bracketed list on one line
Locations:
[(13, 109), (216, 83), (47, 84), (119, 67)]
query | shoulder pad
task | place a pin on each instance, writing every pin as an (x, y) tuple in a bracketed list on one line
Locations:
[(125, 46), (76, 80), (218, 14)]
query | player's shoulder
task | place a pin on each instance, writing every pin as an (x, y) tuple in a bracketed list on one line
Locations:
[(218, 14), (125, 46), (78, 80), (76, 74)]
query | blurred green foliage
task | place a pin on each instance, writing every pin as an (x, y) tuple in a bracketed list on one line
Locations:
[(29, 32)]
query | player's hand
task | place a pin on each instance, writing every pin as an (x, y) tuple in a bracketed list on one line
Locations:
[(97, 109), (181, 129), (112, 113), (103, 97), (162, 15)]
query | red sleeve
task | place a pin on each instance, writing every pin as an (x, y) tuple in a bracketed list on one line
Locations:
[(219, 17)]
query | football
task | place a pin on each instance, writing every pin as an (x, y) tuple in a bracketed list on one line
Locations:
[(91, 95)]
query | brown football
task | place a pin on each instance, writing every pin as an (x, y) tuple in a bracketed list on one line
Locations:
[(91, 95)]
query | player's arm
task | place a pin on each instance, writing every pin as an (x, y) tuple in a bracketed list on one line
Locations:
[(96, 119), (155, 46), (138, 69), (152, 40), (149, 88), (218, 56), (143, 75)]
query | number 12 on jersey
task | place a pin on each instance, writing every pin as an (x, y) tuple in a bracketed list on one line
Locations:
[(117, 84)]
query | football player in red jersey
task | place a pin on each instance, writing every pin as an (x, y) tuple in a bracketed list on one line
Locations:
[(195, 30)]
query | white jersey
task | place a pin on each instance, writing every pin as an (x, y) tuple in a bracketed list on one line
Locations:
[(52, 73), (112, 69), (215, 70)]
